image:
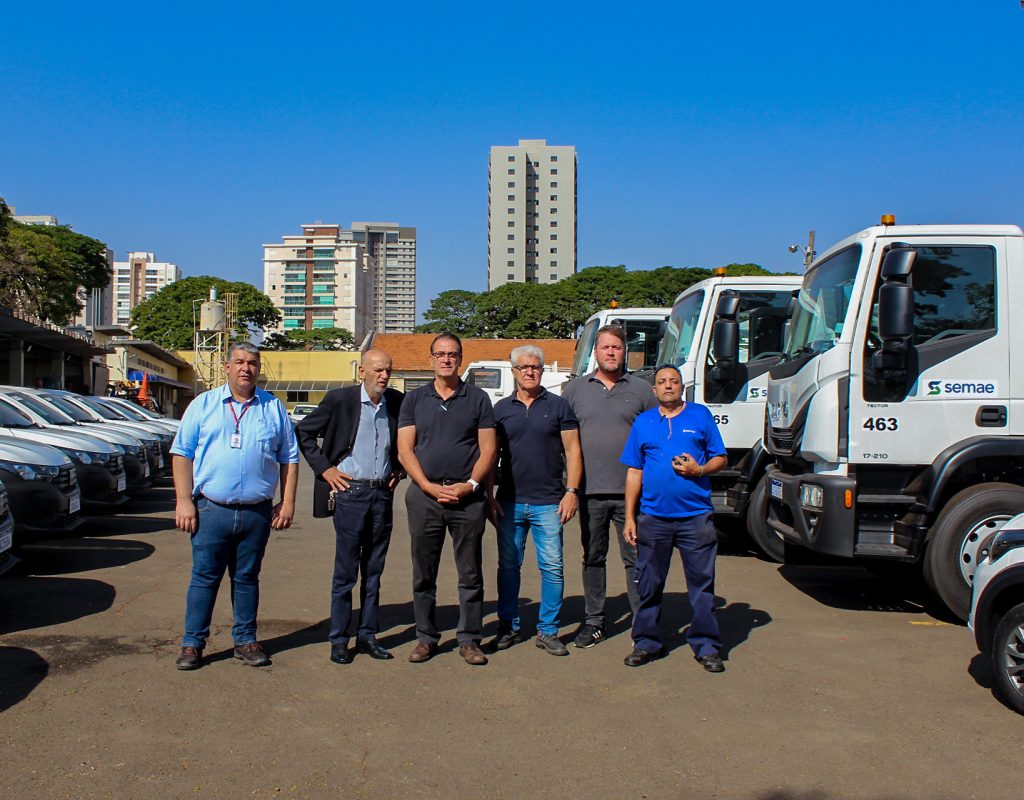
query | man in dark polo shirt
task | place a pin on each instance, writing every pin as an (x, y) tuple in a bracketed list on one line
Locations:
[(447, 445), (538, 438), (605, 402)]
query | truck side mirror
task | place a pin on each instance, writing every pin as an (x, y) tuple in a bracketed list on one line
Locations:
[(725, 349), (728, 306), (789, 312), (895, 313)]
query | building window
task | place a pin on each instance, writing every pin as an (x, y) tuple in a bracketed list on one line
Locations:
[(553, 211), (554, 158), (554, 184), (511, 172), (554, 224), (511, 277), (511, 264), (298, 396), (511, 250), (554, 276), (553, 264), (554, 249), (511, 211), (536, 163), (292, 324), (511, 237), (511, 197), (553, 236), (553, 197), (511, 184), (511, 158), (511, 224), (323, 323)]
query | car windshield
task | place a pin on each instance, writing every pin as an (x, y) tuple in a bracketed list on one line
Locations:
[(52, 415), (131, 413), (822, 303), (68, 408), (682, 325), (11, 417), (584, 347), (101, 408), (144, 413)]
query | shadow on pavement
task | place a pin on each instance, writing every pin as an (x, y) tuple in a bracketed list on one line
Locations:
[(857, 589), (36, 602), (23, 670), (63, 556)]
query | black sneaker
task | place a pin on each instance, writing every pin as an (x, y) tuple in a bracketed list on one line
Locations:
[(588, 636), (507, 636), (551, 644), (712, 662), (640, 657)]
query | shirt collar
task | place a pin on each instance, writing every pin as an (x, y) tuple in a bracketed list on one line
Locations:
[(364, 396), (593, 377), (543, 393), (225, 394), (459, 390)]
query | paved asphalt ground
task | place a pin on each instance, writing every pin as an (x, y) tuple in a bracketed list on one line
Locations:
[(838, 685)]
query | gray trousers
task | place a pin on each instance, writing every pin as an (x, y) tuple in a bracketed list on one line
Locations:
[(597, 513)]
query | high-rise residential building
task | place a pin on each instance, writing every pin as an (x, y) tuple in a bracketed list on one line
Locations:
[(321, 279), (531, 213), (137, 279), (393, 247), (97, 304)]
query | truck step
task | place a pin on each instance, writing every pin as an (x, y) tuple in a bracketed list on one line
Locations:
[(880, 550), (886, 499)]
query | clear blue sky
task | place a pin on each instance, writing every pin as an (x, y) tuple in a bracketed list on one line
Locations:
[(706, 133)]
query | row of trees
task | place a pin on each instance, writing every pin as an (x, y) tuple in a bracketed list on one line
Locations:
[(43, 266), (557, 310)]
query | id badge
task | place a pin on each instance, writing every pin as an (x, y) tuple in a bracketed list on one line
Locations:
[(236, 440)]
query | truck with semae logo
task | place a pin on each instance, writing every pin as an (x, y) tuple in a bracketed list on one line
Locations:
[(896, 414)]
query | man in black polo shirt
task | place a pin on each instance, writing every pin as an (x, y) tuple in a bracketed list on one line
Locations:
[(538, 437), (447, 445)]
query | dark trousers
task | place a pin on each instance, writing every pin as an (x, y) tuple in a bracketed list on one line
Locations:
[(697, 542), (597, 513), (428, 522), (362, 526)]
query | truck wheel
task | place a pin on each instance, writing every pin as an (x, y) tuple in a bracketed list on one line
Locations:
[(1008, 658), (765, 539), (961, 537)]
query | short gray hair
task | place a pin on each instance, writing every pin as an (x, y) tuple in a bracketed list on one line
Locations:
[(528, 350), (245, 347)]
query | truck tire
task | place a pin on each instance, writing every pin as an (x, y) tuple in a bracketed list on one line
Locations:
[(960, 539), (1008, 658), (767, 541)]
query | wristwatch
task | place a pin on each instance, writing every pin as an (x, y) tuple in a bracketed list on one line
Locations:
[(572, 491), (474, 484)]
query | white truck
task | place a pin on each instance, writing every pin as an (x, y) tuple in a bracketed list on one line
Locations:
[(495, 378), (724, 333), (644, 328), (896, 418)]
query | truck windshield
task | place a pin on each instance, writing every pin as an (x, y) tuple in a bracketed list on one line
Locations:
[(822, 303), (485, 377), (584, 347), (682, 326)]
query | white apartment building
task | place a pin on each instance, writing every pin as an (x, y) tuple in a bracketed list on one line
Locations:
[(137, 279), (531, 213), (321, 279), (393, 247)]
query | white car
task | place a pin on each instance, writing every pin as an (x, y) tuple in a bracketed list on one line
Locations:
[(997, 610), (300, 411)]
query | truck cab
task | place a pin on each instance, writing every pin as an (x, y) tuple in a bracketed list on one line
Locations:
[(724, 333), (895, 416), (644, 329), (495, 378)]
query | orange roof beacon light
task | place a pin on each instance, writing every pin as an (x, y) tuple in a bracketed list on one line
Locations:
[(613, 304), (888, 219), (720, 272)]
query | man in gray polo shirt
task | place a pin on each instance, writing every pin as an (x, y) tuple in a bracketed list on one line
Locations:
[(605, 402)]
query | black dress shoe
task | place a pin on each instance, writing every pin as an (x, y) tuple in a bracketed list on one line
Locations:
[(640, 657), (712, 662), (373, 649), (340, 654)]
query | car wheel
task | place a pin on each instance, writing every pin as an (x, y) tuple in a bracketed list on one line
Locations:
[(765, 539), (1008, 658), (961, 537)]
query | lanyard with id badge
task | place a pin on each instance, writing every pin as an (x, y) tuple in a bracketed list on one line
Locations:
[(236, 437)]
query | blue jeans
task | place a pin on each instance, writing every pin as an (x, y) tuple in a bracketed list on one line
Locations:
[(232, 537), (697, 542), (517, 520)]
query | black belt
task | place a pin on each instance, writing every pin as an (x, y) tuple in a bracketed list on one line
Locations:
[(376, 483)]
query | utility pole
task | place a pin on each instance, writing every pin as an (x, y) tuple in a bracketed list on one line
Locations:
[(808, 251)]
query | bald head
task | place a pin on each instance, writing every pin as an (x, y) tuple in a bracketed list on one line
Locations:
[(375, 372)]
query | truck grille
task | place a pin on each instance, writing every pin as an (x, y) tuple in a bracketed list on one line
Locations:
[(784, 439)]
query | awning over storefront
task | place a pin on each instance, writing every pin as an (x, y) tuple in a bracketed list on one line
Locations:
[(34, 332), (136, 375)]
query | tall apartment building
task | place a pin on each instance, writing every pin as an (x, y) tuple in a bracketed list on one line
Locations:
[(97, 304), (321, 279), (531, 213), (393, 247), (138, 278)]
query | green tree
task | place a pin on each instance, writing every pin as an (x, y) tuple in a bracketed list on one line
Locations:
[(454, 310), (167, 316), (43, 267), (316, 339)]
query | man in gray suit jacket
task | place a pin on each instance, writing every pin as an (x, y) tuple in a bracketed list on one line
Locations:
[(356, 470)]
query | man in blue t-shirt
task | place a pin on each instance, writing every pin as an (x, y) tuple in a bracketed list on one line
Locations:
[(670, 452)]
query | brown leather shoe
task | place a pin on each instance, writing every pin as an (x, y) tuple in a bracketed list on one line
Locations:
[(189, 658), (423, 651), (473, 654), (252, 653)]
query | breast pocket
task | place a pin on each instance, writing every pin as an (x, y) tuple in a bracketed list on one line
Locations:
[(268, 434)]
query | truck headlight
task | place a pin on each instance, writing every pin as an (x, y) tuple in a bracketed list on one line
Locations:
[(811, 495), (1004, 542)]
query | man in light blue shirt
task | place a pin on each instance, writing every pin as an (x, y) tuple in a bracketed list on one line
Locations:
[(233, 447)]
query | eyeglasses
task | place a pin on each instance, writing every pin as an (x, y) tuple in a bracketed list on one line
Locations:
[(529, 368), (449, 354)]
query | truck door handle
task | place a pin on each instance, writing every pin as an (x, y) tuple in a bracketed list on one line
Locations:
[(991, 417)]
